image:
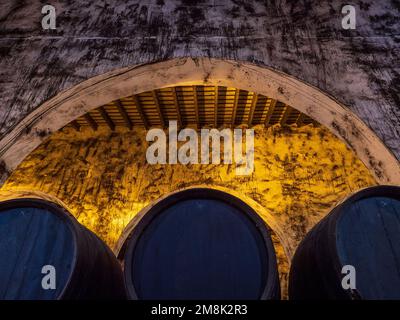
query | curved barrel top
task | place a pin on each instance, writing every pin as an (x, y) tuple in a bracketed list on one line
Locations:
[(199, 248), (34, 234), (368, 238)]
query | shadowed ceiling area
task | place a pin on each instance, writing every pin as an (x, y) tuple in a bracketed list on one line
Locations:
[(200, 106)]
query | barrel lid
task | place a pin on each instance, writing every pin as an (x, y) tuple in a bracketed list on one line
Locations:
[(367, 237), (66, 241), (152, 214)]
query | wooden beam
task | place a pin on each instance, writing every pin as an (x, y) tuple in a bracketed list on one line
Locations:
[(270, 111), (157, 105), (107, 118), (178, 111), (286, 114), (235, 105), (91, 121), (140, 111), (124, 114), (300, 119), (216, 107), (252, 108), (76, 125), (196, 106)]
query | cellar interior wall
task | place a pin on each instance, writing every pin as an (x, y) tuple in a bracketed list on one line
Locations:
[(104, 179)]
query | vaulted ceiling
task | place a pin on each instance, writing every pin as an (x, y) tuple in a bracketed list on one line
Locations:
[(200, 106)]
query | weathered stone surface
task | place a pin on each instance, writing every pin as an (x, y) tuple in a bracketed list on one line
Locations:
[(360, 68)]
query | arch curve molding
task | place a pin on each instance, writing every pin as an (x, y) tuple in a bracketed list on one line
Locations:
[(73, 103)]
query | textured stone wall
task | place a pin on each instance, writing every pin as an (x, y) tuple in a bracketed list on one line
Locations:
[(360, 68), (104, 179)]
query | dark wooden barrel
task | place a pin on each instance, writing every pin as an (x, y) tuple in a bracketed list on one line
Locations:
[(199, 244), (35, 233), (364, 232)]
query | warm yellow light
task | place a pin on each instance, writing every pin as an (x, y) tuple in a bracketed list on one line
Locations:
[(104, 178)]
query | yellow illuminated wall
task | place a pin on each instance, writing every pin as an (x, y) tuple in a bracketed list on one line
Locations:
[(104, 178)]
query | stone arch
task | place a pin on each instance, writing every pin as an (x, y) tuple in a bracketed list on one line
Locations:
[(72, 103)]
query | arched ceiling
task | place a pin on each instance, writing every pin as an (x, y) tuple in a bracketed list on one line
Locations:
[(75, 102), (195, 105)]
